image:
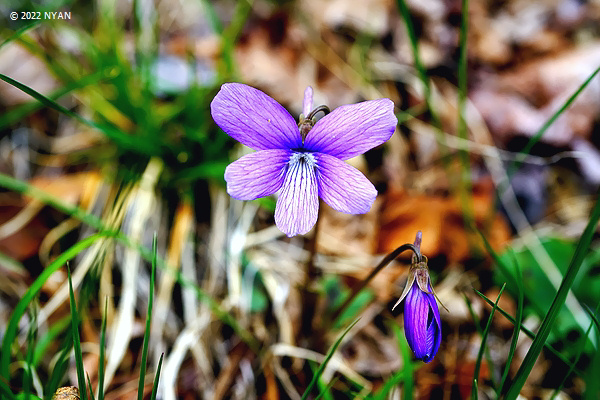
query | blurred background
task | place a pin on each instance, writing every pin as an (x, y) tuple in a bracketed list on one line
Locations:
[(105, 127)]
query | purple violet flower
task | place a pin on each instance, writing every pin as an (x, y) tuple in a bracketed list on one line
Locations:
[(302, 161), (422, 322)]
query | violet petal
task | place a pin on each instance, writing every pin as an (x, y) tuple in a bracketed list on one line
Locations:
[(342, 186), (353, 129), (416, 310), (422, 333), (254, 119), (297, 207), (257, 174), (308, 101), (434, 331)]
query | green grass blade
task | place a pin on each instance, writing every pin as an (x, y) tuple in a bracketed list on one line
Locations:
[(76, 340), (17, 113), (465, 185), (516, 331), (27, 189), (480, 331), (60, 367), (414, 44), (28, 370), (101, 366), (122, 139), (90, 387), (212, 16), (148, 323), (526, 331), (230, 35), (156, 378), (581, 345), (5, 391), (13, 324), (19, 32), (330, 353), (593, 316), (49, 338), (482, 347), (538, 135), (403, 375), (538, 343), (95, 222), (324, 389)]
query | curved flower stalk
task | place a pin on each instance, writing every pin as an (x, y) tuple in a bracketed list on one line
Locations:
[(304, 161), (422, 322)]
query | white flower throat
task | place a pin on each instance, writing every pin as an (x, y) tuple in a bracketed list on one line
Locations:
[(303, 159)]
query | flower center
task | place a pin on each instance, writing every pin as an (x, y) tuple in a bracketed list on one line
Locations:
[(303, 158)]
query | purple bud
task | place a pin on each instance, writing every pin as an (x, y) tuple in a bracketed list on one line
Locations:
[(422, 324)]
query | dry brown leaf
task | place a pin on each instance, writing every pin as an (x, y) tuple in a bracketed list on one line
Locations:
[(464, 376), (369, 16), (25, 242), (440, 218), (70, 188)]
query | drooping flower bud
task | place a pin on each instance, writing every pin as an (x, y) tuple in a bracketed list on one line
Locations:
[(422, 323)]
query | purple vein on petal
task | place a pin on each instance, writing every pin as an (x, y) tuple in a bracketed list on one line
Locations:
[(353, 129), (253, 118), (257, 174), (297, 207), (343, 187)]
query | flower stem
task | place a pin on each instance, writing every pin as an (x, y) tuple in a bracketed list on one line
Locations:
[(309, 296), (389, 258)]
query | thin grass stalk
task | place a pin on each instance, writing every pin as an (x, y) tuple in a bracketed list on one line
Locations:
[(76, 340), (95, 222), (516, 331), (5, 391), (330, 353), (19, 32), (124, 140), (13, 324), (326, 390), (90, 388), (465, 185), (593, 316), (156, 378), (514, 165), (538, 343), (403, 375), (49, 338), (28, 370), (414, 44), (529, 333), (16, 114), (101, 357), (581, 345), (482, 347), (480, 331), (60, 367), (148, 323)]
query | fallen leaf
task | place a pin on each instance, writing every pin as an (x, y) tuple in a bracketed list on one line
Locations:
[(441, 220)]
